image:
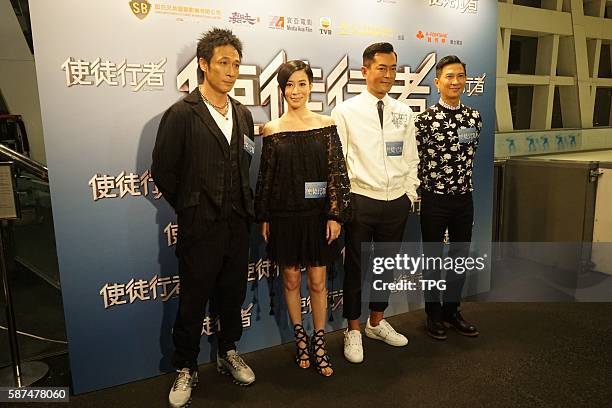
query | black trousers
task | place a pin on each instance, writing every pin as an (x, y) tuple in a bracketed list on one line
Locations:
[(439, 212), (213, 266), (373, 220)]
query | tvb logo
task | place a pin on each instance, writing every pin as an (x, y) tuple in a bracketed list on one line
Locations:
[(140, 8), (325, 26)]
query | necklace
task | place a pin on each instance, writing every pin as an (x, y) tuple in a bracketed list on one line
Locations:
[(221, 109), (448, 106)]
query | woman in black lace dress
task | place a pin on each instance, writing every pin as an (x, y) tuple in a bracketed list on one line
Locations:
[(303, 196)]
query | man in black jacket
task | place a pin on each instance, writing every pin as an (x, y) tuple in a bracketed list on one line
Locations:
[(201, 165)]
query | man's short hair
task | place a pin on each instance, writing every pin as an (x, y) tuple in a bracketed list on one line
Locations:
[(381, 48), (213, 38), (448, 60), (288, 68)]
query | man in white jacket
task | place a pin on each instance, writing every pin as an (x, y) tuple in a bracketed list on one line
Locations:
[(378, 140)]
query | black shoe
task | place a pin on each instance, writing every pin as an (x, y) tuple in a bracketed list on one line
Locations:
[(435, 328), (302, 357), (457, 321), (319, 355)]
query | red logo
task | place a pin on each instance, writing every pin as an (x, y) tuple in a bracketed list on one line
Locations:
[(433, 37)]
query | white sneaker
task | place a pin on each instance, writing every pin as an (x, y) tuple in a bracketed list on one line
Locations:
[(386, 333), (353, 349), (180, 393), (232, 364)]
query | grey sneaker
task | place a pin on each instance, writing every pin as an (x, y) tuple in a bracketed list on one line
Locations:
[(180, 393), (232, 364)]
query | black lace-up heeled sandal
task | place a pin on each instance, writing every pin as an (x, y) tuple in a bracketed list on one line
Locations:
[(319, 355), (302, 357)]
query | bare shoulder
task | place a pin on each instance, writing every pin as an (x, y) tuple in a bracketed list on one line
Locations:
[(325, 120), (270, 128)]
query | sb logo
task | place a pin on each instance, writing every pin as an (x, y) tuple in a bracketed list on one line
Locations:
[(140, 8)]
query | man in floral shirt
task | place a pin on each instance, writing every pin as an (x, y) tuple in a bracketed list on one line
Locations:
[(447, 138)]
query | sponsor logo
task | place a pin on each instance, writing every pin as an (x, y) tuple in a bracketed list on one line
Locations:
[(437, 38), (183, 12), (243, 19), (463, 6), (140, 8), (277, 23), (298, 24), (353, 29), (325, 26)]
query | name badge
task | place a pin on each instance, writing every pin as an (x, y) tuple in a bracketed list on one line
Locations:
[(467, 135), (315, 189), (394, 148), (249, 145)]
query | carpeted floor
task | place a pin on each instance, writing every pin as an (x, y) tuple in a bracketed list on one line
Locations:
[(528, 355)]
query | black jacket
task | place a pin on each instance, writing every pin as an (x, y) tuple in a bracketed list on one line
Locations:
[(190, 153)]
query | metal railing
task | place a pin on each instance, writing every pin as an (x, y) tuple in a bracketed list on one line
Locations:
[(24, 163)]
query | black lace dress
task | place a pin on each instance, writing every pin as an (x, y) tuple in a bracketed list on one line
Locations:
[(302, 184)]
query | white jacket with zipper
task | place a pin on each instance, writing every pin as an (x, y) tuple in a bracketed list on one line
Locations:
[(382, 162)]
